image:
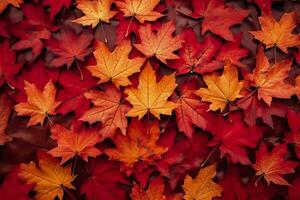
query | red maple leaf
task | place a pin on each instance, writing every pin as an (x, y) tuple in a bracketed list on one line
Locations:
[(197, 57), (33, 30), (56, 6), (293, 137), (191, 110), (233, 138), (20, 189), (218, 17), (69, 47), (105, 181), (8, 65)]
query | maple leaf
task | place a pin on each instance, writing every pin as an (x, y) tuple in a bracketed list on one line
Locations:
[(150, 96), (233, 188), (278, 34), (104, 174), (94, 12), (20, 191), (138, 144), (72, 93), (233, 138), (254, 109), (8, 67), (191, 110), (108, 109), (197, 57), (66, 50), (155, 191), (221, 89), (49, 179), (183, 154), (232, 52), (4, 117), (115, 66), (272, 165), (5, 3), (33, 30), (202, 187), (142, 10), (161, 44), (56, 6), (218, 17), (269, 80), (30, 74), (71, 143), (39, 103), (294, 136)]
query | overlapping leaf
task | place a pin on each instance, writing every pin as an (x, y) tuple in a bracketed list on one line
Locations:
[(151, 96)]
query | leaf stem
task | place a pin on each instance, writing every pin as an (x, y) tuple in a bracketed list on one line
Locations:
[(258, 179), (148, 122), (275, 54), (246, 98), (12, 87), (49, 119), (104, 34), (79, 69), (210, 154), (128, 27), (74, 163), (68, 192)]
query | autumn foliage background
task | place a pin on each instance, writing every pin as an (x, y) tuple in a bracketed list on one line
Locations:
[(149, 99)]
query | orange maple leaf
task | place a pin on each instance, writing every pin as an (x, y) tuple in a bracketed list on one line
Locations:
[(278, 34), (269, 80), (142, 10), (161, 44), (4, 117), (151, 96), (49, 179), (221, 89), (155, 191), (71, 143), (39, 105), (108, 109), (94, 12), (115, 66), (202, 187), (5, 3), (272, 165), (138, 144)]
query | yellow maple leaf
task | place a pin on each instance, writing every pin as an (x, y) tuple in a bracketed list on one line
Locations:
[(49, 179), (39, 103), (278, 34), (5, 3), (138, 144), (142, 10), (94, 12), (151, 96), (115, 66), (202, 187), (221, 89), (161, 44)]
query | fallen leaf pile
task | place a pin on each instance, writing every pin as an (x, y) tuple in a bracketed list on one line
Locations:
[(150, 99)]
